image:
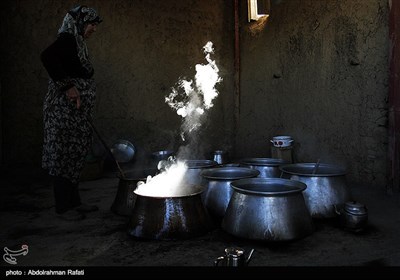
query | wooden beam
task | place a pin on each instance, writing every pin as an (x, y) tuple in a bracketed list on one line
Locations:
[(394, 97)]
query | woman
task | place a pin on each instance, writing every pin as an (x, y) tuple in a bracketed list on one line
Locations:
[(68, 108)]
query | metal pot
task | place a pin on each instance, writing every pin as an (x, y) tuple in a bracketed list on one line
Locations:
[(268, 209), (268, 167), (180, 216), (125, 197), (218, 192), (194, 167), (326, 186)]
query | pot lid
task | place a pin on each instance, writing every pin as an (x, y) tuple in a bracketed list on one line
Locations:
[(354, 207)]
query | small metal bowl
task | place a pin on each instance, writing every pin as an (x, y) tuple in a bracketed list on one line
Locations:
[(162, 155), (123, 151)]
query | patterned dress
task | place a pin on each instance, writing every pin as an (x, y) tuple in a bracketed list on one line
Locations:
[(67, 131)]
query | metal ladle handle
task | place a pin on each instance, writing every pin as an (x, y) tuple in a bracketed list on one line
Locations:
[(106, 147)]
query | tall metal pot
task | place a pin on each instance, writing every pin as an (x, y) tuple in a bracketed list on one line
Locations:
[(268, 167), (326, 186), (218, 192), (268, 209), (194, 168)]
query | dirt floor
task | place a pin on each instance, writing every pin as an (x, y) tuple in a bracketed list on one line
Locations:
[(101, 240)]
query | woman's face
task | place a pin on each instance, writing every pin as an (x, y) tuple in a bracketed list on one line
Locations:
[(89, 30)]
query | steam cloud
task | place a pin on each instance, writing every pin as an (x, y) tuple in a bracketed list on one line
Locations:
[(192, 99)]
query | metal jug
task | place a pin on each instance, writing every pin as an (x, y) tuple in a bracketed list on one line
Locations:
[(233, 257), (221, 157), (353, 215)]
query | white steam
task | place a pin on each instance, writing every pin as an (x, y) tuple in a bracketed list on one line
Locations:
[(190, 100)]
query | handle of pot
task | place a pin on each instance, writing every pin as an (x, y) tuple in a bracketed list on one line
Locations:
[(218, 260), (271, 141), (290, 141), (295, 178)]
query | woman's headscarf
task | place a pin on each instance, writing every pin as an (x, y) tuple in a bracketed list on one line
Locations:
[(74, 23)]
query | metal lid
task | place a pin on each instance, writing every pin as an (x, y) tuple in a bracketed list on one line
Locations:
[(354, 207)]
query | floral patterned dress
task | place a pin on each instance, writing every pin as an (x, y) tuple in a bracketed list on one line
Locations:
[(67, 130)]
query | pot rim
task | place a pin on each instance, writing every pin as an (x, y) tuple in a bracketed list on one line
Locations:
[(210, 173), (328, 170), (200, 163), (298, 186), (198, 189), (263, 161)]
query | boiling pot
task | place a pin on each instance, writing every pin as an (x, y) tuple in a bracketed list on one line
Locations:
[(268, 209), (218, 192), (179, 216), (125, 197), (326, 186), (268, 167)]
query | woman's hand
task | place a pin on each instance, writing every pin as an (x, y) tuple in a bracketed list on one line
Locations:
[(74, 96)]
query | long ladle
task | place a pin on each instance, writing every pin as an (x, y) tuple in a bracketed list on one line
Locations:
[(316, 167), (106, 147)]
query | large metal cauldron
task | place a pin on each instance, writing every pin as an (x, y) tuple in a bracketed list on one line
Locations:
[(268, 209), (125, 198), (218, 192), (268, 167), (179, 216), (326, 186), (194, 167)]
